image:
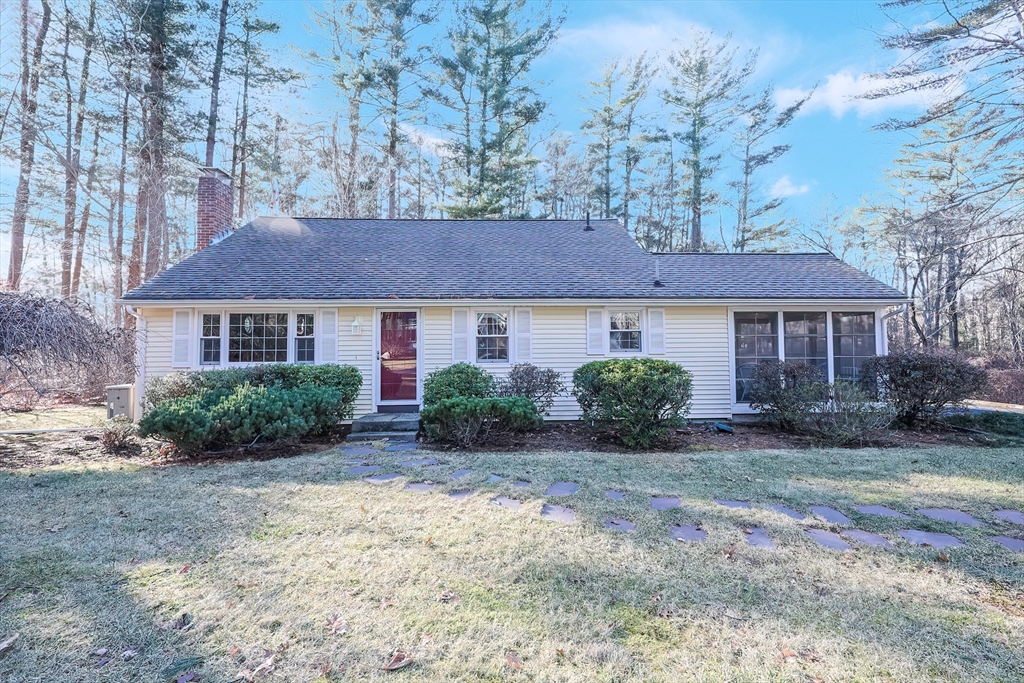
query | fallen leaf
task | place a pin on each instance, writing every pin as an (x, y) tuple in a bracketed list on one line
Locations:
[(185, 569), (251, 584), (337, 626), (741, 631), (8, 644), (386, 602), (942, 557), (129, 654), (100, 652), (399, 660), (787, 654), (330, 563), (514, 660), (747, 531), (352, 592), (232, 652), (809, 656), (561, 652), (730, 551), (429, 539), (102, 663), (448, 596)]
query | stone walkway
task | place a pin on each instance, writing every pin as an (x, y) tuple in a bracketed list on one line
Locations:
[(755, 537)]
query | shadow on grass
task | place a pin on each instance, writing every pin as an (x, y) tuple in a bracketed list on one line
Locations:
[(624, 604)]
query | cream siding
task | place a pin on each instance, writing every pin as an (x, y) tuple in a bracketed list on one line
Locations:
[(695, 337)]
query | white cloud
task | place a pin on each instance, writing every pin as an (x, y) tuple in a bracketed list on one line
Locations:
[(784, 187), (418, 136), (841, 92)]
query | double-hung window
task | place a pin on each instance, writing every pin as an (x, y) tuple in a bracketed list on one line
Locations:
[(209, 342), (304, 338), (257, 337), (624, 334), (492, 337)]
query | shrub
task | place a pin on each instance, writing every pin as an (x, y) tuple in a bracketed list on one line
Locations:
[(540, 385), (465, 420), (639, 398), (918, 385), (785, 393), (459, 380), (243, 415), (846, 415), (118, 433), (344, 379)]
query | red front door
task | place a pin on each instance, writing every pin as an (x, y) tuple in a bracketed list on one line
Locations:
[(398, 356)]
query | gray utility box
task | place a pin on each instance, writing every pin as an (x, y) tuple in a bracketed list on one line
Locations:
[(121, 400)]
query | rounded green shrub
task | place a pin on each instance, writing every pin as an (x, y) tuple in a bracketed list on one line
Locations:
[(465, 420), (640, 399), (459, 380)]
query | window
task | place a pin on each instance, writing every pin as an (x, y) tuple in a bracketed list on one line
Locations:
[(209, 343), (624, 332), (257, 337), (806, 339), (757, 340), (304, 349), (491, 337), (853, 340)]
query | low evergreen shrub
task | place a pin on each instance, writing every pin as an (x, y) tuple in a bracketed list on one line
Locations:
[(919, 385), (640, 399), (459, 380), (466, 420)]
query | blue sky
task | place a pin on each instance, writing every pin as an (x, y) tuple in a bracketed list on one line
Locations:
[(802, 44)]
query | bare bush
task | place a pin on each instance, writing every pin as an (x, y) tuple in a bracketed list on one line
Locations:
[(52, 347)]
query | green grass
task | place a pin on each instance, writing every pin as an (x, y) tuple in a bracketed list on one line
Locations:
[(92, 557), (53, 418)]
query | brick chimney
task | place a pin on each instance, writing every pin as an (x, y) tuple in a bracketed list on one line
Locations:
[(213, 214)]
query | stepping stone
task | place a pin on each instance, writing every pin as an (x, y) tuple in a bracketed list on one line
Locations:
[(359, 450), (880, 510), (830, 515), (664, 503), (362, 469), (931, 538), (687, 532), (510, 503), (459, 474), (1012, 516), (620, 525), (407, 446), (867, 538), (494, 479), (461, 495), (828, 539), (419, 487), (789, 512), (521, 484), (1009, 542), (420, 462), (947, 515), (558, 513), (381, 478), (615, 495), (734, 504), (562, 488), (757, 538)]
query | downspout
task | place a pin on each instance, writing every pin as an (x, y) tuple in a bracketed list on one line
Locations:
[(140, 359), (885, 327)]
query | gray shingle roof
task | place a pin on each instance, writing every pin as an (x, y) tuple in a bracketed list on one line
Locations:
[(326, 258)]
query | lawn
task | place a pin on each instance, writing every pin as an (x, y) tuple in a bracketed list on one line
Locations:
[(245, 564), (63, 417)]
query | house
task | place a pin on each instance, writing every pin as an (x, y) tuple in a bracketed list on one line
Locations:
[(400, 298)]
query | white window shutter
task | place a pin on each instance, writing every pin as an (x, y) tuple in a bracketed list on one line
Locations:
[(595, 331), (524, 335), (656, 330), (181, 345), (460, 335), (327, 344)]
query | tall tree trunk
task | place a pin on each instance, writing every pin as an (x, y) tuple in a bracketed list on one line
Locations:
[(118, 250), (153, 142), (393, 167), (218, 62), (351, 205), (243, 139), (83, 227), (27, 148), (141, 215)]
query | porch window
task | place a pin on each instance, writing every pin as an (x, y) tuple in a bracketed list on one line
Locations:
[(209, 342), (806, 339), (257, 337), (757, 341), (491, 337), (853, 340), (624, 335), (304, 344)]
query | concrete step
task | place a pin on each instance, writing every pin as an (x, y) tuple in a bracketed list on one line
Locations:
[(387, 422), (380, 436)]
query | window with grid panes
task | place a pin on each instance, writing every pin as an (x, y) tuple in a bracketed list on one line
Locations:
[(304, 344), (491, 337), (624, 331), (209, 342), (757, 341), (806, 339), (853, 340), (257, 337)]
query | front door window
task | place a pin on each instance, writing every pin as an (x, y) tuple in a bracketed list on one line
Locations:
[(398, 356)]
